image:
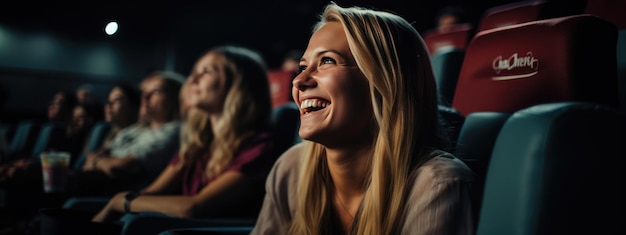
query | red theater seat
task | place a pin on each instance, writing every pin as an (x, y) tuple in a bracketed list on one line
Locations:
[(511, 68), (455, 37), (614, 11), (280, 86), (569, 58), (512, 13), (611, 10)]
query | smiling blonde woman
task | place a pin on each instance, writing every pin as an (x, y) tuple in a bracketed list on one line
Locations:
[(373, 161)]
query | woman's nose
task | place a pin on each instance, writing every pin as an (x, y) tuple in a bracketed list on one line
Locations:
[(304, 81), (193, 78)]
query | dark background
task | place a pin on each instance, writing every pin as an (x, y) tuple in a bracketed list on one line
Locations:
[(271, 26), (47, 46)]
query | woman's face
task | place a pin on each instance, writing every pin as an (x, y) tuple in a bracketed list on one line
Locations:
[(80, 119), (331, 91), (57, 107), (117, 106), (206, 86), (154, 104)]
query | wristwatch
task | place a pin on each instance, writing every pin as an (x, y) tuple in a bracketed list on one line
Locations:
[(128, 198)]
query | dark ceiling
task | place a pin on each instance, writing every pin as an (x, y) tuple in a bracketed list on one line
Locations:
[(271, 26)]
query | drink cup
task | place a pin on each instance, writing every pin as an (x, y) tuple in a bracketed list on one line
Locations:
[(55, 169)]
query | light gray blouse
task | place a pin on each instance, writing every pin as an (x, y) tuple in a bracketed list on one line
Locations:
[(439, 201)]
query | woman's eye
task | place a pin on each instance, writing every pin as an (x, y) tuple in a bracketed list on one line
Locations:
[(328, 60), (301, 69)]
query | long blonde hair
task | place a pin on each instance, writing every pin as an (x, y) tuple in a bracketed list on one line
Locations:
[(247, 110), (393, 57)]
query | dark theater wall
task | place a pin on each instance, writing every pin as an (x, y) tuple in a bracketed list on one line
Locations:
[(47, 46)]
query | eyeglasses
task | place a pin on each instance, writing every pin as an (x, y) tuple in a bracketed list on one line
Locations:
[(149, 94), (116, 100), (55, 103)]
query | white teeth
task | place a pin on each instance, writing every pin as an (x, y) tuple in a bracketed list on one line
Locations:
[(313, 103)]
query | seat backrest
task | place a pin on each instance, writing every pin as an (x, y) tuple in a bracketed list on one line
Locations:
[(52, 136), (7, 130), (96, 137), (455, 37), (286, 121), (613, 11), (280, 86), (510, 68), (512, 13), (24, 138), (451, 122), (475, 144), (97, 134), (6, 133), (557, 168), (446, 68)]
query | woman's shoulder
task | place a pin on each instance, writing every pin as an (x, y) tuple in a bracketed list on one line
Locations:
[(283, 178), (288, 163), (291, 157), (444, 167)]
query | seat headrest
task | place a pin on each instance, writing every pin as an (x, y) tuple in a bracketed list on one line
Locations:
[(512, 13), (455, 37), (280, 86), (611, 10), (568, 58)]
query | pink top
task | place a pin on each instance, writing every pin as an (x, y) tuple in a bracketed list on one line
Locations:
[(254, 159)]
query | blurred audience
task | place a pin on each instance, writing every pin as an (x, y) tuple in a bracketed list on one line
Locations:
[(227, 146), (60, 107), (140, 151), (121, 110), (24, 175), (77, 120), (84, 117), (451, 15), (85, 95)]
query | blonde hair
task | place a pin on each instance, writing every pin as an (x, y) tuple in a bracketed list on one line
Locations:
[(393, 57), (195, 134), (247, 110)]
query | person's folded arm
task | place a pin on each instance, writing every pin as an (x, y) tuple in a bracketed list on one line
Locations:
[(230, 187), (116, 167)]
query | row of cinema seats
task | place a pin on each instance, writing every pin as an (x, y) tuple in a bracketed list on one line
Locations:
[(536, 112), (28, 138), (448, 47)]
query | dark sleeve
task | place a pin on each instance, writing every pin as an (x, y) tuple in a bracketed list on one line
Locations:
[(175, 159), (256, 158)]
